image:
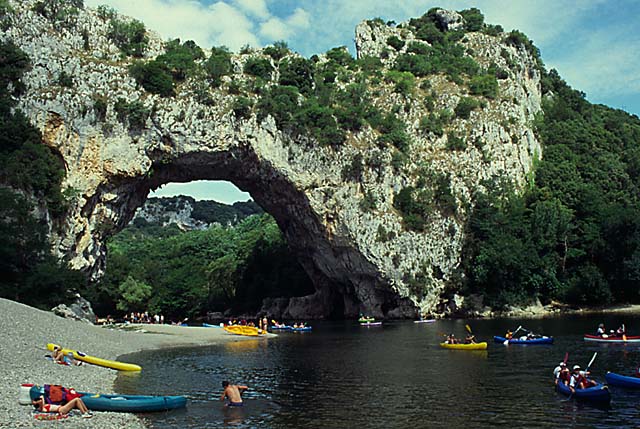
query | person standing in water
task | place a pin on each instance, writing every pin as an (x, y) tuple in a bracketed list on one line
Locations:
[(233, 392)]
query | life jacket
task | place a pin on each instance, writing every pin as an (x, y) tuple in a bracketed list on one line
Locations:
[(56, 394), (578, 380)]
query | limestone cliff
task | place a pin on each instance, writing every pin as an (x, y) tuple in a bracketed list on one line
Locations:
[(361, 260)]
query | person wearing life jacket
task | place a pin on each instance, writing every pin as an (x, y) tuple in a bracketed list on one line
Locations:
[(561, 374), (579, 379), (509, 334), (470, 339)]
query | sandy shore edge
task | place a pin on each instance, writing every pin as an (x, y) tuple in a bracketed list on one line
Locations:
[(25, 334)]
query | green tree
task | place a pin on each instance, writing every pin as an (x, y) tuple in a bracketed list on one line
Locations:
[(134, 295)]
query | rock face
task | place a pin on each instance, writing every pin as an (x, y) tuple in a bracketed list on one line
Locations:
[(80, 309), (112, 166)]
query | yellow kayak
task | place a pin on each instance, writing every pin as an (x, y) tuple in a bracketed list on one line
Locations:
[(120, 366), (476, 346), (250, 331)]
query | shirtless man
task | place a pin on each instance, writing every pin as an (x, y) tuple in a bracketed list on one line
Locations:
[(233, 393)]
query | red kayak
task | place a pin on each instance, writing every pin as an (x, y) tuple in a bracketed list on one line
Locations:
[(612, 339)]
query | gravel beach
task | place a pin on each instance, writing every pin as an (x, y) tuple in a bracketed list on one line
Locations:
[(25, 334)]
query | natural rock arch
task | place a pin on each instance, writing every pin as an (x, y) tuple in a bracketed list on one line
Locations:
[(112, 162)]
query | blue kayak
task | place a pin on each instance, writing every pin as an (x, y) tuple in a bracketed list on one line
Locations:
[(281, 328), (303, 329), (598, 393), (132, 403), (206, 325), (543, 340), (622, 380)]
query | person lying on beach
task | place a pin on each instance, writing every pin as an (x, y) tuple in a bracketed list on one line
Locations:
[(59, 357), (233, 393), (63, 410)]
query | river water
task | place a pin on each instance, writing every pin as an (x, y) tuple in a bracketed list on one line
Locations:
[(343, 375)]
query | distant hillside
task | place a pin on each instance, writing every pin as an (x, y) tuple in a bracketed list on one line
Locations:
[(190, 214)]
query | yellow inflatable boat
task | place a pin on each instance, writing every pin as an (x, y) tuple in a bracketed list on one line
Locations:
[(120, 366), (250, 331), (475, 346)]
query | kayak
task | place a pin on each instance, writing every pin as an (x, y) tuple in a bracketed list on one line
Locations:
[(303, 329), (250, 331), (543, 340), (206, 325), (281, 328), (424, 321), (122, 403), (370, 323), (622, 380), (474, 346), (132, 403), (611, 339), (599, 393), (120, 366)]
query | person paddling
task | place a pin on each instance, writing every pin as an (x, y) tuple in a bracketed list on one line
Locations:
[(579, 379), (234, 393), (561, 373)]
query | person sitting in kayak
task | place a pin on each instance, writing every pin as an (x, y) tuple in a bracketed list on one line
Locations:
[(601, 331), (471, 339), (561, 373), (620, 331), (234, 393), (451, 339), (508, 335), (579, 379), (63, 410)]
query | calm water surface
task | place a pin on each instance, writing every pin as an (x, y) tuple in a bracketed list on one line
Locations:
[(345, 376)]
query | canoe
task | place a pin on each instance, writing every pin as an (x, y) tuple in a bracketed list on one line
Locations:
[(120, 366), (612, 340), (599, 393), (543, 340), (622, 380), (250, 331), (476, 346), (424, 321), (370, 323), (132, 403)]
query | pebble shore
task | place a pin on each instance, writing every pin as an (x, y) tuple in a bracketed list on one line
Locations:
[(25, 333)]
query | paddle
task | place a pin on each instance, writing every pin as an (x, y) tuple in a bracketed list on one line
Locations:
[(591, 362), (624, 333), (506, 342)]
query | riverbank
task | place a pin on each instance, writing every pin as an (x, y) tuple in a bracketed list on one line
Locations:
[(25, 333)]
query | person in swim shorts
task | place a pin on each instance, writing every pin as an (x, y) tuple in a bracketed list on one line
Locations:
[(40, 405), (233, 392)]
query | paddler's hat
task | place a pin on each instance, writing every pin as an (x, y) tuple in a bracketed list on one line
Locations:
[(562, 364), (576, 367)]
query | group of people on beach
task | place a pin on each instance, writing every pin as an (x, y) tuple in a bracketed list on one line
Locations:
[(144, 317)]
